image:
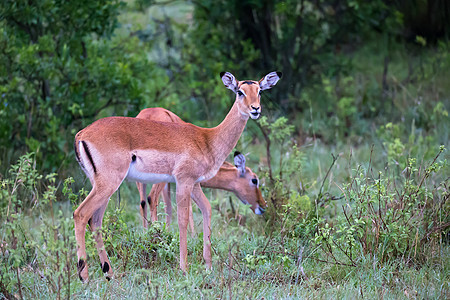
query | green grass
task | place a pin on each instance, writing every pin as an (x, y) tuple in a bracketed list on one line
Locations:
[(252, 260), (324, 280)]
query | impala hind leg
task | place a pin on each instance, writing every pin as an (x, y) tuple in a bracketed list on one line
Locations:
[(95, 225), (183, 204), (205, 207), (92, 206), (153, 200), (168, 204), (143, 204)]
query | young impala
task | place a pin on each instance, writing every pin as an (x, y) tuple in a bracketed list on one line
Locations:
[(114, 148), (238, 179)]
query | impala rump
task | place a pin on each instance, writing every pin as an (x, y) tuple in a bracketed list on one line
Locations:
[(84, 158)]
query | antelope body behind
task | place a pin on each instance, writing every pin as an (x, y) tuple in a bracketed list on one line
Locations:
[(238, 179)]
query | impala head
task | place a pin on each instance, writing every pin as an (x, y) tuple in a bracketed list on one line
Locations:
[(248, 186), (248, 92)]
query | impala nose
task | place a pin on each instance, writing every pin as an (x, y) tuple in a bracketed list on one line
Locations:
[(254, 114), (259, 210)]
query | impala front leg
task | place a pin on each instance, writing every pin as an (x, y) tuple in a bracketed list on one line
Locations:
[(183, 204), (205, 207)]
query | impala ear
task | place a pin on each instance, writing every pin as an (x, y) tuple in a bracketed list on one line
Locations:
[(239, 162), (269, 81), (229, 81)]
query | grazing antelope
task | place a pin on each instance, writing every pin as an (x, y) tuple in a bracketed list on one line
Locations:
[(238, 179), (116, 148)]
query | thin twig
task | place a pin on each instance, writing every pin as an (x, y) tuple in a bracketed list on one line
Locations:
[(332, 262), (328, 173), (266, 137), (345, 214), (427, 173), (230, 267), (437, 228), (345, 252), (299, 263), (379, 201), (19, 284)]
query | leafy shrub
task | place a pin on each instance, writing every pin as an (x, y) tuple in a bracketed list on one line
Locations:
[(62, 68), (399, 146), (388, 217), (134, 247), (50, 250)]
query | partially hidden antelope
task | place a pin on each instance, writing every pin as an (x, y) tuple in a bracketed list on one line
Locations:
[(238, 179), (116, 148)]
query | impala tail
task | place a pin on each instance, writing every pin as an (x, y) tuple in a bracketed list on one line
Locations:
[(84, 158)]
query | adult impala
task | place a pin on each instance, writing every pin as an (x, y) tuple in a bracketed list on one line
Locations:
[(114, 148), (238, 179)]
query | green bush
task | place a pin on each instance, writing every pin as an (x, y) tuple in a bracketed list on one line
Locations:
[(62, 68), (28, 199), (387, 216), (135, 248)]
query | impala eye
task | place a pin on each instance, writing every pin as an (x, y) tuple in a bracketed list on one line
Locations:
[(259, 93), (255, 181), (240, 93)]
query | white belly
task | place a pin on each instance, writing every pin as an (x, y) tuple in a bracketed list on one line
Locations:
[(201, 178), (135, 175)]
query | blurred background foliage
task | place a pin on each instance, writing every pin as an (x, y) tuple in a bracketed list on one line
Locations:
[(349, 67)]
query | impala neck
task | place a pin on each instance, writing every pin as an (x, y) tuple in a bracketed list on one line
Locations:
[(220, 181), (227, 134)]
